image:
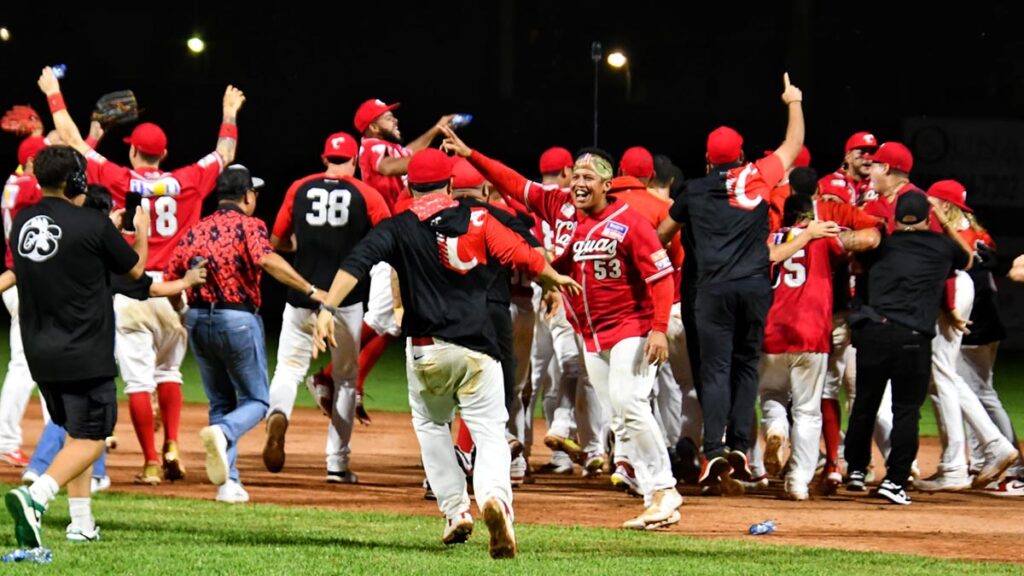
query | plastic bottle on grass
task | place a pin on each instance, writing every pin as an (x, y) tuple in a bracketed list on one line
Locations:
[(766, 527), (32, 555)]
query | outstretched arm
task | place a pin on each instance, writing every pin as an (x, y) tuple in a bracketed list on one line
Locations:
[(62, 121), (227, 141), (791, 97)]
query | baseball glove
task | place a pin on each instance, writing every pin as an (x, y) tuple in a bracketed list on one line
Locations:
[(22, 121), (116, 108)]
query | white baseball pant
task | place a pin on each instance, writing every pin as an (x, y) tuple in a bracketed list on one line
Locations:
[(623, 380), (953, 400), (975, 366), (795, 380), (444, 376), (18, 383), (380, 307), (678, 410), (150, 341), (523, 320), (294, 353)]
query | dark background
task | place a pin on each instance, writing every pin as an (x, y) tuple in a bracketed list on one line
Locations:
[(524, 70)]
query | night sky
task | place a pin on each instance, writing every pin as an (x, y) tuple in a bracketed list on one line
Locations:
[(524, 70)]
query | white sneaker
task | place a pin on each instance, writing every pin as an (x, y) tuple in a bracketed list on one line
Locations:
[(98, 483), (457, 529), (498, 518), (232, 492), (216, 445), (517, 471), (1001, 457), (796, 491), (625, 479), (28, 477), (663, 511), (76, 534), (1009, 486), (940, 482)]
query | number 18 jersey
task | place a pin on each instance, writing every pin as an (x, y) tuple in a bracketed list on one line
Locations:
[(329, 216)]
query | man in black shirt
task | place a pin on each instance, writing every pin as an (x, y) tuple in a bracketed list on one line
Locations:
[(893, 337), (63, 258), (440, 250)]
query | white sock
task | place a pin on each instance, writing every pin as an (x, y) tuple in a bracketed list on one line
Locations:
[(81, 513), (44, 489)]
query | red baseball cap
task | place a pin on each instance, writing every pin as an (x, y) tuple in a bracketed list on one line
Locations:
[(430, 165), (835, 187), (29, 147), (951, 191), (637, 162), (865, 140), (148, 138), (554, 159), (725, 145), (464, 175), (896, 155), (340, 145), (803, 158), (369, 111)]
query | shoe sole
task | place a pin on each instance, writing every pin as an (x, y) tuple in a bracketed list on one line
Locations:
[(720, 476), (26, 534), (984, 479), (885, 494), (671, 520), (594, 467), (273, 450), (773, 455), (216, 467), (350, 479), (557, 443), (173, 470), (459, 535), (80, 538), (740, 467), (503, 540), (147, 480)]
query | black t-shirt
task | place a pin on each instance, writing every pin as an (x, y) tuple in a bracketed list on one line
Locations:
[(63, 258), (729, 223), (137, 289), (907, 275)]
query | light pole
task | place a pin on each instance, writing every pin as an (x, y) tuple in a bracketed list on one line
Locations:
[(595, 55)]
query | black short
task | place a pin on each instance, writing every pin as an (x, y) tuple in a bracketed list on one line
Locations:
[(87, 409)]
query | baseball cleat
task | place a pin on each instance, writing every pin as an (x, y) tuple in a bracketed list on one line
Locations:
[(996, 465), (150, 474), (940, 482), (624, 478), (273, 448), (774, 443), (344, 477), (457, 529), (173, 468), (562, 444), (498, 519), (593, 466), (1009, 486)]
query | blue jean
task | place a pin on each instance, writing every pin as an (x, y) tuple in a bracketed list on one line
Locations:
[(231, 354), (50, 443)]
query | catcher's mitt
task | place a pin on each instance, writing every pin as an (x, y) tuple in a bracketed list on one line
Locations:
[(21, 120), (116, 108)]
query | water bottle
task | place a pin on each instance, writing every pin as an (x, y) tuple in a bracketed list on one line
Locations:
[(59, 70), (766, 527), (460, 120), (37, 555)]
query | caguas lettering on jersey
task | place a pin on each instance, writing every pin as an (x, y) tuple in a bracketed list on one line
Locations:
[(599, 249)]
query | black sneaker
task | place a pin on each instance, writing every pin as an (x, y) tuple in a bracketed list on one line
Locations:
[(686, 466), (428, 493), (855, 481), (893, 493)]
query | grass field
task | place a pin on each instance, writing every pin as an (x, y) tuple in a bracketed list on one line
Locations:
[(145, 535)]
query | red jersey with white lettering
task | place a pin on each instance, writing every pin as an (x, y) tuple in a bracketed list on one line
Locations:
[(174, 200), (371, 152), (654, 209), (859, 191), (617, 258), (800, 319), (548, 201), (20, 191)]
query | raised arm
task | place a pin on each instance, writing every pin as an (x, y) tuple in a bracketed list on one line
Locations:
[(227, 141), (791, 97), (62, 121)]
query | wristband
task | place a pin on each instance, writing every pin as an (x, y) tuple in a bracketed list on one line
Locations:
[(312, 291), (56, 102), (228, 131)]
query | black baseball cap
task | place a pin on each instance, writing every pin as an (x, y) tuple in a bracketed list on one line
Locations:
[(912, 208), (236, 180)]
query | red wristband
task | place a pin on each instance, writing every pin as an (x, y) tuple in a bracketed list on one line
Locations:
[(56, 102), (228, 131)]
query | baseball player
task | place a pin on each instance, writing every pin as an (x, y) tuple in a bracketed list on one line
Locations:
[(20, 190), (323, 215), (439, 249), (797, 340), (854, 173), (151, 340)]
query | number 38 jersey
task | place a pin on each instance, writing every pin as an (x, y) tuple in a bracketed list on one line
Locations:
[(614, 255), (800, 319), (329, 216), (174, 200)]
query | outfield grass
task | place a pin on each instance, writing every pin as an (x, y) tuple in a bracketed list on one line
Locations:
[(146, 535)]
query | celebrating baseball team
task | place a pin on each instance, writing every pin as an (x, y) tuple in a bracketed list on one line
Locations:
[(648, 315)]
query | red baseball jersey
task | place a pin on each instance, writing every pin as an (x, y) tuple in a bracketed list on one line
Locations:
[(371, 152), (615, 256), (174, 200), (20, 191), (800, 319), (654, 209)]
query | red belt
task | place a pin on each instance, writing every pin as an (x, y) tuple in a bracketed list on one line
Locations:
[(422, 341)]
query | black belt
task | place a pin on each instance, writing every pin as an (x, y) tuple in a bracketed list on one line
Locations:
[(211, 306)]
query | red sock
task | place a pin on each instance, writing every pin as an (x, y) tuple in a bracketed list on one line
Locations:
[(141, 409), (464, 441), (326, 372), (169, 396), (369, 356), (830, 423), (367, 334)]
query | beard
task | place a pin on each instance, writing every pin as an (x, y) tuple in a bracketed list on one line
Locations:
[(390, 136)]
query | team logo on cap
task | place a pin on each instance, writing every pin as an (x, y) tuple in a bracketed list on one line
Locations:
[(39, 239), (337, 142)]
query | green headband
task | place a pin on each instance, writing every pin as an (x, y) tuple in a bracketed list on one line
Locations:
[(596, 163)]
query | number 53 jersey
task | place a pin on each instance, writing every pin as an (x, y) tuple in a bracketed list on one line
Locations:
[(614, 255), (174, 200), (329, 216), (800, 319)]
